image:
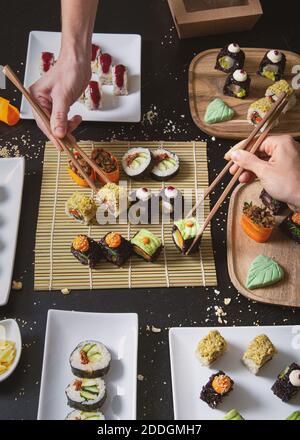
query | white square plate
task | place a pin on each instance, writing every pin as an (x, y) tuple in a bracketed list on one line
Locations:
[(124, 48), (252, 395), (11, 189), (66, 329)]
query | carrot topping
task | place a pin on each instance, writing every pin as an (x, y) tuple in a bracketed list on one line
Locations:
[(83, 357), (77, 384), (189, 224), (146, 240), (81, 243), (296, 218), (221, 384), (113, 240)]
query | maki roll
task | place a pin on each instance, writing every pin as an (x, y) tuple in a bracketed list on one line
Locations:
[(92, 97), (86, 250), (184, 232), (113, 198), (108, 163), (90, 359), (272, 65), (230, 58), (47, 61), (291, 226), (85, 415), (275, 90), (115, 248), (287, 384), (260, 351), (119, 80), (81, 208), (75, 174), (96, 52), (137, 163), (258, 110), (105, 69), (172, 202), (233, 414), (166, 165), (218, 387), (275, 206), (257, 222), (237, 84), (146, 245), (86, 394), (210, 348), (141, 201)]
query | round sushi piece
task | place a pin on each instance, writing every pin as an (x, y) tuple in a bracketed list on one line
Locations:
[(166, 165), (82, 415), (90, 359), (138, 162), (86, 394)]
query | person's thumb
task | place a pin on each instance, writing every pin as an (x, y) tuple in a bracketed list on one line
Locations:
[(249, 162), (59, 117)]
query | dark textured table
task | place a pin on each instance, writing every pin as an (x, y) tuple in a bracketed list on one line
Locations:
[(165, 62)]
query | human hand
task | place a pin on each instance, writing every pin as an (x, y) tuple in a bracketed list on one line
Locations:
[(276, 165)]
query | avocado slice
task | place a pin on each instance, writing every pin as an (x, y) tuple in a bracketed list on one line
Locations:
[(95, 357), (88, 383), (87, 396), (92, 350), (86, 347), (93, 390)]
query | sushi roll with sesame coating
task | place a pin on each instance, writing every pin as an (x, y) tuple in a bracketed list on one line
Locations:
[(237, 84), (90, 359), (260, 351), (230, 58), (287, 384), (85, 415), (273, 65), (86, 394), (258, 110), (275, 90), (218, 387), (146, 245), (184, 232), (211, 347), (115, 248), (86, 250), (81, 208)]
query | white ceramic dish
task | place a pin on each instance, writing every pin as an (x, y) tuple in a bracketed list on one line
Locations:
[(11, 189), (252, 395), (119, 332), (124, 48), (12, 333)]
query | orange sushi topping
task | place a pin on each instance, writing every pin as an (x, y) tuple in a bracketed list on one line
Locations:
[(296, 218), (113, 240), (146, 240), (189, 224), (81, 243), (221, 384)]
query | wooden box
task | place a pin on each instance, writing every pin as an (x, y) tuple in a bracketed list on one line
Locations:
[(209, 17)]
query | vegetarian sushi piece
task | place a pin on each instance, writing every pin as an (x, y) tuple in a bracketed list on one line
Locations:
[(96, 52), (294, 416), (81, 208), (211, 347), (146, 245), (230, 58), (263, 272), (86, 394), (172, 202), (259, 352), (275, 206), (90, 359), (75, 174), (105, 69), (258, 110), (138, 162), (120, 80), (108, 163), (166, 165), (85, 415), (233, 414), (141, 204), (287, 384), (218, 387), (272, 65), (113, 198), (47, 61), (257, 222), (86, 250), (291, 226), (237, 84), (275, 90), (92, 96), (184, 232), (115, 248)]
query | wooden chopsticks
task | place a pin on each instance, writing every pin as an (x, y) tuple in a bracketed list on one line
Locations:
[(270, 120), (66, 144)]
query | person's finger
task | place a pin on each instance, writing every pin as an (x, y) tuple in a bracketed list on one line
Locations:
[(249, 162), (74, 123), (59, 116), (247, 177)]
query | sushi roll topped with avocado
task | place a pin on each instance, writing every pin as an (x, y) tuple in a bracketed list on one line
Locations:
[(90, 359), (237, 84), (86, 394), (85, 415), (230, 58), (183, 234), (146, 245), (272, 65), (137, 162), (166, 165)]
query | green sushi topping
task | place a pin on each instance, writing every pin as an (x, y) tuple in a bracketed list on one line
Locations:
[(233, 415), (241, 93), (146, 241), (188, 228), (90, 353), (91, 416), (294, 416), (269, 74), (89, 389), (218, 111), (225, 63)]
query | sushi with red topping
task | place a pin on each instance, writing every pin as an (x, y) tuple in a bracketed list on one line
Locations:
[(96, 52), (237, 84), (92, 97), (120, 80), (273, 65), (47, 61), (230, 58), (105, 69), (171, 202)]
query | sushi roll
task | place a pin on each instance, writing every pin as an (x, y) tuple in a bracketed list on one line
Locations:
[(120, 80), (230, 58), (260, 351), (258, 110), (96, 52), (218, 387), (115, 248), (275, 206), (211, 347), (86, 250), (287, 384), (184, 232), (172, 202), (291, 226), (105, 69), (233, 414), (294, 416), (141, 206), (90, 359), (81, 208), (166, 165), (85, 415), (92, 96), (146, 245), (138, 162), (86, 394), (75, 174), (47, 61), (275, 90), (272, 65), (237, 84), (112, 199)]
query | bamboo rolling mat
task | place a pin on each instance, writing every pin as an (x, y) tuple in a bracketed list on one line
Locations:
[(55, 266)]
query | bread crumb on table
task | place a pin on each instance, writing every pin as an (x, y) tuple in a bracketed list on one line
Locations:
[(65, 291), (17, 285)]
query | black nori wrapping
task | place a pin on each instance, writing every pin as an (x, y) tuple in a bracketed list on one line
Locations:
[(283, 388), (238, 58), (275, 206), (117, 256), (210, 396), (91, 257), (281, 66), (86, 406), (290, 229), (186, 243), (231, 81)]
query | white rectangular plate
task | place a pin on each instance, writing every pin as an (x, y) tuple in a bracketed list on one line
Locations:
[(65, 329), (124, 48), (11, 189), (252, 395)]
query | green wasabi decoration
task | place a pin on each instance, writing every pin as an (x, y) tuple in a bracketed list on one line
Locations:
[(188, 228), (218, 111), (233, 415), (294, 416), (263, 272)]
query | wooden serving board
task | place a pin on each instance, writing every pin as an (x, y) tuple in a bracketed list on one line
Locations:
[(206, 83), (241, 251)]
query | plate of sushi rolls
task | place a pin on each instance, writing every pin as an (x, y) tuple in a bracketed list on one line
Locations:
[(94, 379), (114, 91)]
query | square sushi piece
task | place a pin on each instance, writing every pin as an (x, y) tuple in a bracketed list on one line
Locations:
[(237, 84), (86, 250), (287, 384), (291, 226), (211, 347), (96, 52), (115, 248), (92, 96), (120, 80), (230, 58), (81, 208), (105, 69), (218, 387), (146, 245), (259, 351), (275, 90), (184, 232), (272, 65)]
